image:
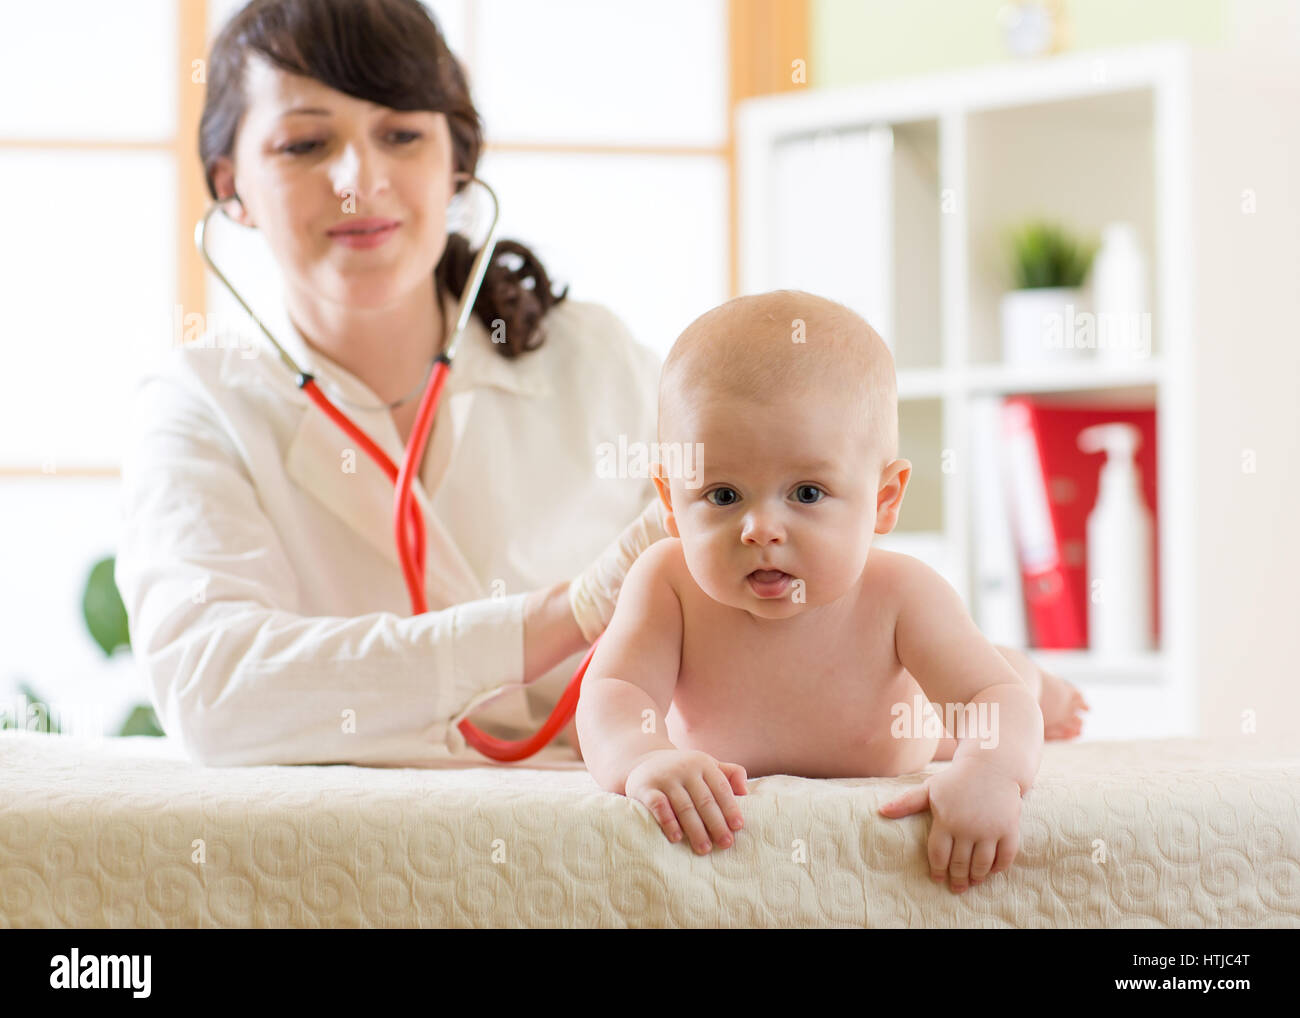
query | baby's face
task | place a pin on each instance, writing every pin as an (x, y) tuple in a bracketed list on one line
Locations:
[(789, 487)]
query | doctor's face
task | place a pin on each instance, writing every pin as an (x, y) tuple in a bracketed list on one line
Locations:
[(311, 163)]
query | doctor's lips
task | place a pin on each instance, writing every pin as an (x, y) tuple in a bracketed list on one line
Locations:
[(370, 232)]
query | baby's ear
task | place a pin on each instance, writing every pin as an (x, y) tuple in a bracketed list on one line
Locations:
[(889, 495), (665, 496)]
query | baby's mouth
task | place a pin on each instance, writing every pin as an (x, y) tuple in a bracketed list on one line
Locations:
[(769, 583)]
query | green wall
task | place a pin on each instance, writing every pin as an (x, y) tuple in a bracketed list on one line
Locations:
[(855, 41)]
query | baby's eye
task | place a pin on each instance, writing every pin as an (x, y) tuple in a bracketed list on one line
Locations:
[(296, 149), (810, 487), (717, 491), (411, 135)]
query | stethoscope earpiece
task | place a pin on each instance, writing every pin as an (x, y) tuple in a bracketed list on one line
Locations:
[(221, 204)]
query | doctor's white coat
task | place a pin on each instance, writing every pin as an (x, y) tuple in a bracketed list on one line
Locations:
[(266, 605)]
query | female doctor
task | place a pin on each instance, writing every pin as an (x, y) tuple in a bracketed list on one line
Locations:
[(256, 554)]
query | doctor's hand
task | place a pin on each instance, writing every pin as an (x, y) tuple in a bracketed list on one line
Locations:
[(593, 593)]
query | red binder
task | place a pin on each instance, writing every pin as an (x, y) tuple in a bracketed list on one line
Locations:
[(1053, 489)]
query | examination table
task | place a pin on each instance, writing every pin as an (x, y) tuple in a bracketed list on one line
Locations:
[(125, 832)]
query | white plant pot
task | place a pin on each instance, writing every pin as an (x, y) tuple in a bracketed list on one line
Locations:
[(1046, 326)]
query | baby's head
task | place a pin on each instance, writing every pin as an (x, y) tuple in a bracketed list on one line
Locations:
[(792, 403)]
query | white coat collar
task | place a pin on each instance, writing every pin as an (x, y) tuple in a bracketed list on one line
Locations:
[(475, 364), (324, 460)]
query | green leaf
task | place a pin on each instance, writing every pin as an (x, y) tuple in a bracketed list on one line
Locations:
[(141, 721), (103, 608), (1046, 254)]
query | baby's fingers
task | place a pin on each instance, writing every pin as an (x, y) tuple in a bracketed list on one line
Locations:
[(959, 867), (735, 777), (939, 851), (1007, 849), (982, 860), (709, 811), (683, 800), (726, 800), (662, 810)]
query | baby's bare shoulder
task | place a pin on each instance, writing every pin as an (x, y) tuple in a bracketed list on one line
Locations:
[(912, 586), (896, 580), (888, 572), (664, 558)]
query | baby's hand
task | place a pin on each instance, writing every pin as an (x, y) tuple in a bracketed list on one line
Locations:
[(976, 828), (689, 789)]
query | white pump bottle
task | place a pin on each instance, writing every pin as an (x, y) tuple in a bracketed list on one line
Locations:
[(1119, 546)]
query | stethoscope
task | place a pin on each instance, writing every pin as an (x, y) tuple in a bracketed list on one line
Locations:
[(408, 522)]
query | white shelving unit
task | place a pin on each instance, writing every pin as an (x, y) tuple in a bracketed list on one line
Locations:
[(1158, 136)]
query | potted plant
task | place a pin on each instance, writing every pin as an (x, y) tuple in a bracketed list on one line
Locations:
[(106, 620), (1041, 318), (105, 616)]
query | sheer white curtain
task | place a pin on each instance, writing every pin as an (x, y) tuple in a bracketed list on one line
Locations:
[(87, 284)]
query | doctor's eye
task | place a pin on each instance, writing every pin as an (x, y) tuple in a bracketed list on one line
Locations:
[(730, 491), (813, 488), (302, 148)]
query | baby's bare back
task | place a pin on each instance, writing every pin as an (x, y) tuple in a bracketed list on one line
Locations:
[(810, 695)]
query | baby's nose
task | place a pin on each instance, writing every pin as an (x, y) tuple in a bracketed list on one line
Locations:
[(765, 529)]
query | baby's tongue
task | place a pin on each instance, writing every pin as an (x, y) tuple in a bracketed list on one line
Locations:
[(767, 575)]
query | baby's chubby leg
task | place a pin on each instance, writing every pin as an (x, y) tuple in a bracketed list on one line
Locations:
[(1059, 701)]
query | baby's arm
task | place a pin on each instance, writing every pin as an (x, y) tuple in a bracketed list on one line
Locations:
[(955, 664), (634, 670), (975, 801), (625, 699)]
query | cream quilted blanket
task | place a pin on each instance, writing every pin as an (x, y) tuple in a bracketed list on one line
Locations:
[(126, 832)]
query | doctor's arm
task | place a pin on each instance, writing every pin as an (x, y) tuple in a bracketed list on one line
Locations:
[(236, 672)]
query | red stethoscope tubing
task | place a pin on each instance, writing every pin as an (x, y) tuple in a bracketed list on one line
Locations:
[(408, 527)]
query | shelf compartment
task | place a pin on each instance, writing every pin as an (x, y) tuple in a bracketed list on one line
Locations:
[(1083, 162), (1064, 378), (920, 440), (917, 205)]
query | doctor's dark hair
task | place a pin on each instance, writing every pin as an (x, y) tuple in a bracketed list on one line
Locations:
[(389, 52)]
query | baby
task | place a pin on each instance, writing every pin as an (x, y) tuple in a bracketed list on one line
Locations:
[(766, 635)]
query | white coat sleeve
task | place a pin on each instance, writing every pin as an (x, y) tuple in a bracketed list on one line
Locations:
[(235, 672)]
